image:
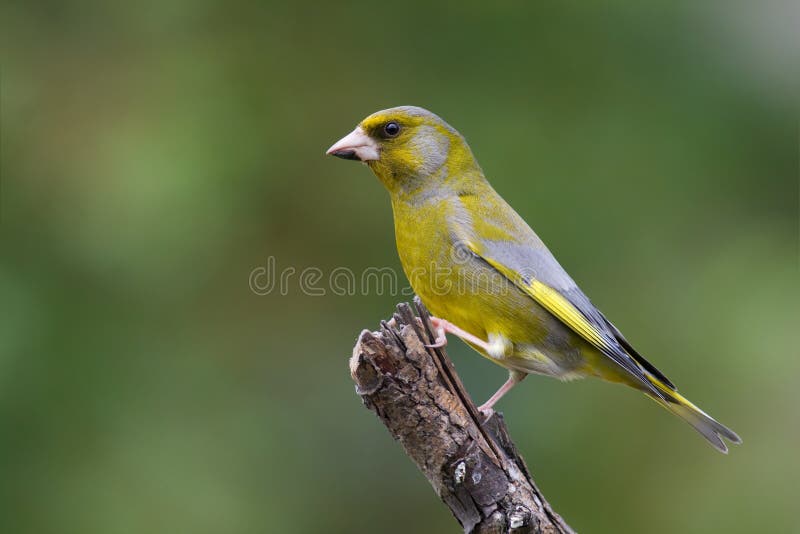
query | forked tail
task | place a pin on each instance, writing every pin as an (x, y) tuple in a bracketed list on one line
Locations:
[(712, 430)]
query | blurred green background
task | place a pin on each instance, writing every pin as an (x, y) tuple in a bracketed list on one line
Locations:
[(155, 153)]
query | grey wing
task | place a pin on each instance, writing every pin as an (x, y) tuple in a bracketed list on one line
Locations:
[(533, 261)]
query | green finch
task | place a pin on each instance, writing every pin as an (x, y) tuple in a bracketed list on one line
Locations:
[(486, 276)]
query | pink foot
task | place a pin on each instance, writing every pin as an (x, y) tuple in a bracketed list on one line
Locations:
[(445, 327), (514, 378), (487, 411), (440, 341)]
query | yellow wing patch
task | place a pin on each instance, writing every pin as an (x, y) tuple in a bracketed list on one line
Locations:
[(568, 314), (561, 308), (555, 303)]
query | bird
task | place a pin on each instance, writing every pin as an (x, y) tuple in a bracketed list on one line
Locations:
[(486, 276)]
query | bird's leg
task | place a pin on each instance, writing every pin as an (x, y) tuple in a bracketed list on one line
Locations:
[(496, 348), (445, 327), (514, 377)]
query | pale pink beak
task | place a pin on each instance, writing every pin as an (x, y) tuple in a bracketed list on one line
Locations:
[(356, 145)]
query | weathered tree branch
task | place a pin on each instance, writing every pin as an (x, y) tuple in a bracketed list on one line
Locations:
[(472, 465)]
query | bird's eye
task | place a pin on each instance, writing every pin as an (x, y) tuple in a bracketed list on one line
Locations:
[(391, 129)]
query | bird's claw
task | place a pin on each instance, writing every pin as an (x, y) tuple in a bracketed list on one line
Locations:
[(440, 341), (486, 411)]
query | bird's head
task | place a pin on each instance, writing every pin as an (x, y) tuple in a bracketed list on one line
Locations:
[(408, 148)]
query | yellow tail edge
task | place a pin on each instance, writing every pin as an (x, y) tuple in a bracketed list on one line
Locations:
[(706, 425)]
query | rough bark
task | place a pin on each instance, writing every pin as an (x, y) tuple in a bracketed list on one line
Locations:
[(472, 464)]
